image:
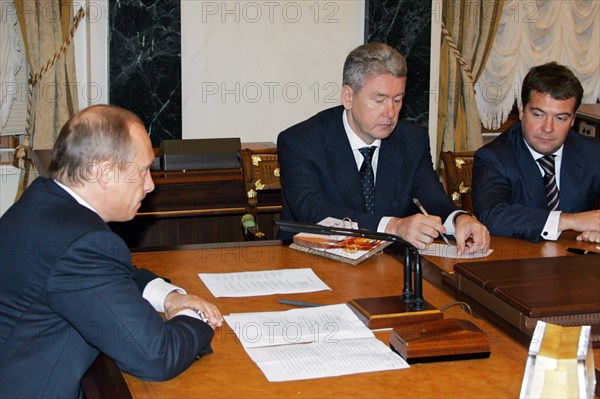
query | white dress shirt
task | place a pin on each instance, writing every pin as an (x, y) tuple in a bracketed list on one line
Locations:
[(550, 231), (355, 144)]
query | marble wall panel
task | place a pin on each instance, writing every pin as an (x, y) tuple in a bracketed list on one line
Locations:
[(406, 26), (145, 63)]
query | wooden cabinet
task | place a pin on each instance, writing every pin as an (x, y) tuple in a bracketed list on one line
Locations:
[(587, 120), (192, 207), (196, 207)]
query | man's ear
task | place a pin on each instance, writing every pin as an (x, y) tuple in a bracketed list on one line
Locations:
[(347, 95), (521, 110), (106, 173)]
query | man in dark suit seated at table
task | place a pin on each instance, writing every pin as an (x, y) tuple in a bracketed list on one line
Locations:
[(323, 172), (68, 289), (540, 177)]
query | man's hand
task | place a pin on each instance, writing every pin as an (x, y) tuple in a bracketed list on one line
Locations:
[(176, 302), (418, 229), (471, 236), (590, 236), (588, 223)]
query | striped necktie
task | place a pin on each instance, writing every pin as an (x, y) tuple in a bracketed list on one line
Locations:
[(367, 177), (547, 164)]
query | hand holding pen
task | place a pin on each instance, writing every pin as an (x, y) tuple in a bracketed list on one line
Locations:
[(418, 229), (424, 212)]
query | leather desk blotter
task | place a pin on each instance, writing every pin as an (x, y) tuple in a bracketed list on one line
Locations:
[(440, 340), (561, 290)]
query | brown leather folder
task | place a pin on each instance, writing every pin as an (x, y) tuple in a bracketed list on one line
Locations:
[(561, 290)]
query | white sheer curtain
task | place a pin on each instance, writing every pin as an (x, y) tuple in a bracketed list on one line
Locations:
[(11, 59), (531, 33)]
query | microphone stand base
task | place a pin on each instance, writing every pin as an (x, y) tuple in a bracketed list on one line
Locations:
[(391, 311)]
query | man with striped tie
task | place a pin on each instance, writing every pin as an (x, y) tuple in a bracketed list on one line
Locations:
[(540, 177)]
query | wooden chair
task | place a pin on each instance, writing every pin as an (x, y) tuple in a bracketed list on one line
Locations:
[(104, 380), (261, 173), (458, 174)]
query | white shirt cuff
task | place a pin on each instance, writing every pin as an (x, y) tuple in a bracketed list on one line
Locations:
[(189, 313), (383, 224), (157, 290), (550, 231), (449, 225), (450, 229)]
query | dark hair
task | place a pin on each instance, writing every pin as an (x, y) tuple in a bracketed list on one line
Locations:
[(97, 134), (554, 79), (372, 59)]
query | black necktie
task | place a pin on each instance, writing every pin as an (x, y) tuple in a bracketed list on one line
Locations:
[(547, 164), (367, 177)]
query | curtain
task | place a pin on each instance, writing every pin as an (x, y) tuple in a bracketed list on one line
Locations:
[(468, 31), (531, 33), (11, 57), (45, 25)]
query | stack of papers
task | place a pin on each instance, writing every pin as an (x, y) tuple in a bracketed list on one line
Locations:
[(309, 343), (266, 282)]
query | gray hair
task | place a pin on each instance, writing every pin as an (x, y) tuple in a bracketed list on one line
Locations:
[(97, 134), (372, 59)]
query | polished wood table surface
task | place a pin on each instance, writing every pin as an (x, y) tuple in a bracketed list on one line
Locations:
[(230, 373)]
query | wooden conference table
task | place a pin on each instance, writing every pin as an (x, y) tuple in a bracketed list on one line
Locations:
[(230, 373)]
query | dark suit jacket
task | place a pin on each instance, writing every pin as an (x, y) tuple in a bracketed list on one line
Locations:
[(508, 188), (68, 290), (319, 175)]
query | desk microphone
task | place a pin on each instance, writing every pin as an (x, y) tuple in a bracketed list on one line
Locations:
[(413, 273)]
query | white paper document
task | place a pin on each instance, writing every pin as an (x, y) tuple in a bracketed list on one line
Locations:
[(310, 343), (451, 251), (269, 282), (323, 323), (322, 359)]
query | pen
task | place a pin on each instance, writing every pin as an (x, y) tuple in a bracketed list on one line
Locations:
[(581, 251), (424, 212), (299, 303)]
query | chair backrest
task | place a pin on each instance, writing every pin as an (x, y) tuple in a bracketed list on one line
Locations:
[(458, 174), (260, 169)]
